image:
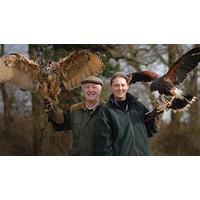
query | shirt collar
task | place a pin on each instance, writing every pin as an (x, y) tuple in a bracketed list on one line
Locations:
[(93, 107), (84, 107)]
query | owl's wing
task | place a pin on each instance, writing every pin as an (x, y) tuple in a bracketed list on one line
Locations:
[(20, 71), (79, 65)]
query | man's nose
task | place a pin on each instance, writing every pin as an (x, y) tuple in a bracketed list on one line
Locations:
[(90, 89), (120, 87)]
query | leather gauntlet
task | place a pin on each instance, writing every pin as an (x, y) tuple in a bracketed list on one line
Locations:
[(53, 111), (157, 113)]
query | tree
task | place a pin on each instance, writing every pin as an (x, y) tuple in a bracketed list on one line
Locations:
[(7, 102)]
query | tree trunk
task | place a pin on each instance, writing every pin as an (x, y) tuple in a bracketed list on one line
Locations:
[(37, 133), (7, 105), (8, 117)]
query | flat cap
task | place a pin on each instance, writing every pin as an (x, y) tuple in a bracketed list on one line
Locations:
[(92, 79)]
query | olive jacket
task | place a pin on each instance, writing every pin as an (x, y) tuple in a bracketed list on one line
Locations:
[(80, 120)]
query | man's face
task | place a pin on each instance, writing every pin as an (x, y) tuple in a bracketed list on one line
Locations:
[(91, 91), (119, 88)]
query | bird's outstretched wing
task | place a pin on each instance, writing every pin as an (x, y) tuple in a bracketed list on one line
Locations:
[(144, 76), (20, 71), (185, 64), (79, 65)]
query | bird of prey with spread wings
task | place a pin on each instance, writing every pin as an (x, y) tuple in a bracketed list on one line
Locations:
[(167, 84), (29, 75)]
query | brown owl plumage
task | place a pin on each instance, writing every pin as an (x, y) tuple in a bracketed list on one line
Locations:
[(27, 74)]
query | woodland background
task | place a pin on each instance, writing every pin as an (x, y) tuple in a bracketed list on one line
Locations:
[(24, 127)]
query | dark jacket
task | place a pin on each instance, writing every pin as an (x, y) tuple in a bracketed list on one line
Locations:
[(121, 130), (81, 121)]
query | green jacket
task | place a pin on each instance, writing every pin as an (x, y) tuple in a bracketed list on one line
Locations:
[(122, 131), (81, 121)]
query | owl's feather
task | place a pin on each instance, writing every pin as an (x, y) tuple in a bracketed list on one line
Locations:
[(26, 74), (79, 65), (20, 71)]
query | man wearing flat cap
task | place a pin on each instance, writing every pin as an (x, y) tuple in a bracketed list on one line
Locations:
[(80, 118)]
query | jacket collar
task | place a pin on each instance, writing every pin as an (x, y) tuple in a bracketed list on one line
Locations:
[(129, 97)]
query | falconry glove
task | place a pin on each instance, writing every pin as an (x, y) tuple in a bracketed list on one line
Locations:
[(161, 104), (159, 108), (53, 111)]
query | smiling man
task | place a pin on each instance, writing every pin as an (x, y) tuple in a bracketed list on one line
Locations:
[(121, 126), (80, 118)]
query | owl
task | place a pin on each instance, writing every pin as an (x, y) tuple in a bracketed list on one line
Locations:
[(69, 71)]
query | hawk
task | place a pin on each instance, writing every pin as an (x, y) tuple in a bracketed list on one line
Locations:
[(29, 75), (167, 84)]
